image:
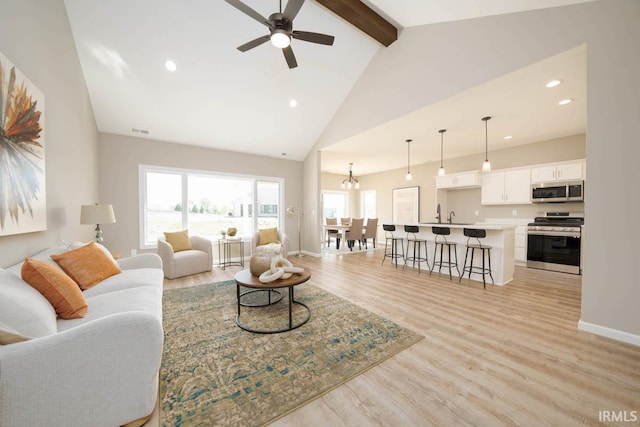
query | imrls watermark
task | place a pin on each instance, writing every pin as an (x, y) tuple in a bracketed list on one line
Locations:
[(618, 416)]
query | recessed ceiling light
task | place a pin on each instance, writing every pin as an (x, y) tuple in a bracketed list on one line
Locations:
[(171, 66), (508, 137), (293, 103), (554, 83), (565, 101)]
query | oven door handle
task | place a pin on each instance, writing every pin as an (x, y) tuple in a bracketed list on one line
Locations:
[(575, 234)]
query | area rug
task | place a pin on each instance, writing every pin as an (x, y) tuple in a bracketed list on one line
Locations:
[(344, 250), (214, 373)]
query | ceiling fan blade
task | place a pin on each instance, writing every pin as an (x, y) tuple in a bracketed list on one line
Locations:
[(290, 57), (313, 37), (250, 12), (292, 9), (253, 43)]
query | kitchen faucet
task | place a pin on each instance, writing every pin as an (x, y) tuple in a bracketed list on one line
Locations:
[(451, 215), (438, 217)]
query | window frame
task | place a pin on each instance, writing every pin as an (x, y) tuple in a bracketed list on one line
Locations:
[(184, 172), (347, 201), (363, 196)]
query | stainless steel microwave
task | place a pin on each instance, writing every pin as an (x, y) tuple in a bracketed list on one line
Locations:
[(557, 192)]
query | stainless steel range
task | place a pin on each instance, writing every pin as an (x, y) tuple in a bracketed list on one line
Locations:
[(554, 242)]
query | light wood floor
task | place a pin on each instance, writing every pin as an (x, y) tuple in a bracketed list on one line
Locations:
[(508, 355)]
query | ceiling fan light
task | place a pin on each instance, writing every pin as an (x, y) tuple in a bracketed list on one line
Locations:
[(280, 38)]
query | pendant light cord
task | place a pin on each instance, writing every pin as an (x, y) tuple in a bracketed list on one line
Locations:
[(486, 141), (442, 131), (486, 138), (409, 157)]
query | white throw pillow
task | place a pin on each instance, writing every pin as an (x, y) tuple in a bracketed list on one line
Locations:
[(23, 310)]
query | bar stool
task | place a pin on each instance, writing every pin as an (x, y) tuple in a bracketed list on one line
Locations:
[(476, 233), (411, 231), (441, 241), (389, 235)]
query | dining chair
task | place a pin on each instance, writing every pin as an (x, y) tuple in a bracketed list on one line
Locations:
[(370, 232), (354, 233), (345, 221), (331, 221)]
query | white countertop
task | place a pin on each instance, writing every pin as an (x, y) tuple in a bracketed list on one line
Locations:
[(480, 225)]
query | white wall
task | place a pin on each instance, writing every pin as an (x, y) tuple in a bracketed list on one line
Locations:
[(434, 62), (36, 37), (464, 202), (120, 157)]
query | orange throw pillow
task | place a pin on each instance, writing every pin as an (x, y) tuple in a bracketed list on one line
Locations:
[(58, 288), (87, 265)]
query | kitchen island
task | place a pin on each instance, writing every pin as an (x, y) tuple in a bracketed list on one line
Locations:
[(501, 238)]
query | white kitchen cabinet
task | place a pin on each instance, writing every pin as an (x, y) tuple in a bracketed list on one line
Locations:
[(458, 180), (492, 192), (520, 235), (510, 187), (570, 171)]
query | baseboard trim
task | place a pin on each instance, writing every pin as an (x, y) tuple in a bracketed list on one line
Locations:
[(614, 334)]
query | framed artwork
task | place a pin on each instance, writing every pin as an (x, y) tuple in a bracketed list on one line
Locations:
[(406, 205), (22, 175)]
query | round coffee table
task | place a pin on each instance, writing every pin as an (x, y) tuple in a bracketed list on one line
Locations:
[(246, 279)]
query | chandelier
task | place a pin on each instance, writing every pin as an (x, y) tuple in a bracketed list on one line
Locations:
[(350, 182)]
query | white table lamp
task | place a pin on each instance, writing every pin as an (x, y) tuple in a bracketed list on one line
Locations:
[(97, 214)]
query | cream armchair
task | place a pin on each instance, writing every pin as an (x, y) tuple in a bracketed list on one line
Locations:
[(183, 263), (282, 247)]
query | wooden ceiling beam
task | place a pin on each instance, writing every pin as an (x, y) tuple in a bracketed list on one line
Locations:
[(364, 18)]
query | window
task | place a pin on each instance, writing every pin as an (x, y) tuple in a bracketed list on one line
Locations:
[(335, 204), (368, 203), (268, 195), (205, 203)]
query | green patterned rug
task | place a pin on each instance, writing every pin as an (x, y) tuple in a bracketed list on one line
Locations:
[(214, 373)]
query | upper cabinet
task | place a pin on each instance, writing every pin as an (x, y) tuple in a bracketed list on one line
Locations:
[(458, 180), (569, 171), (511, 187)]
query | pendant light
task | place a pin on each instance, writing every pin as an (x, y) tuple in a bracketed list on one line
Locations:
[(441, 170), (350, 181), (408, 160), (486, 166)]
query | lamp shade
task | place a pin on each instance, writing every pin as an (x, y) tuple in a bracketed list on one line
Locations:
[(97, 214)]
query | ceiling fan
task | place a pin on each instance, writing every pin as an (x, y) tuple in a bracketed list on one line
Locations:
[(281, 31)]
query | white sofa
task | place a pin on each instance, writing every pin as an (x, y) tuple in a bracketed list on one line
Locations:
[(100, 370)]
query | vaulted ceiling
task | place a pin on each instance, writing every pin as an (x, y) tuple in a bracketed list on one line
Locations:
[(221, 98)]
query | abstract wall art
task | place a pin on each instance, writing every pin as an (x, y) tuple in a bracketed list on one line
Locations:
[(406, 205), (22, 172)]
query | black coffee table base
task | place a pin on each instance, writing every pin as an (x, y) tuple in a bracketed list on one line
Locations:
[(269, 299), (292, 301)]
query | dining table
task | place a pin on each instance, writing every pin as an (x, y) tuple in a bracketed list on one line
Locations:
[(341, 229)]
